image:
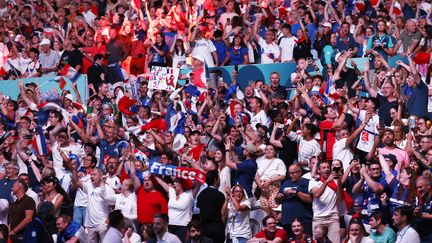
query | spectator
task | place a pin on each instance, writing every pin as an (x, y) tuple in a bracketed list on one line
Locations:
[(357, 232), (270, 232), (98, 208), (21, 212), (37, 230), (421, 211), (194, 233), (287, 43), (68, 230), (116, 224), (49, 59), (382, 232), (325, 194), (11, 175), (161, 229), (299, 235), (294, 195), (236, 210), (210, 202), (402, 219)]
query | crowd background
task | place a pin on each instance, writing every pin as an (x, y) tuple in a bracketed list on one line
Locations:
[(338, 154)]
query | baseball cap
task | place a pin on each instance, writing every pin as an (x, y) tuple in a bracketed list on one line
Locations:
[(250, 147), (327, 24), (198, 57), (45, 41)]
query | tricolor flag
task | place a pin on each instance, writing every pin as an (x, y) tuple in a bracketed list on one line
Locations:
[(61, 81), (175, 120), (39, 142), (69, 72)]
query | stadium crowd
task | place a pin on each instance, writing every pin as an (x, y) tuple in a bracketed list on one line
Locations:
[(338, 153)]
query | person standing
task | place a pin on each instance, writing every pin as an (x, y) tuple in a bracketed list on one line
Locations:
[(116, 225), (325, 194), (20, 212), (296, 200), (210, 202)]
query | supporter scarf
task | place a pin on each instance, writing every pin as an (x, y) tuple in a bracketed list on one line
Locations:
[(179, 172), (346, 197)]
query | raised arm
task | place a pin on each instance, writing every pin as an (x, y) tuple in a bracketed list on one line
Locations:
[(386, 168), (372, 92)]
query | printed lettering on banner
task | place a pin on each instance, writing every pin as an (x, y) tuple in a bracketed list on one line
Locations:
[(163, 78)]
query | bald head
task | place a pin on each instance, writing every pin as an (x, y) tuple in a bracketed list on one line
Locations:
[(294, 172)]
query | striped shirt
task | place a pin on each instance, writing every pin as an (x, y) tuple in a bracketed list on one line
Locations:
[(307, 149)]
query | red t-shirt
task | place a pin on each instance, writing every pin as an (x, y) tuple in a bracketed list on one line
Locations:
[(149, 204), (279, 233), (327, 134), (92, 51)]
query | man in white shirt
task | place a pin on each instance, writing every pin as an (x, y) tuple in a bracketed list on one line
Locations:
[(204, 47), (49, 59), (160, 227), (324, 204), (89, 16), (258, 115), (401, 219), (270, 51), (116, 225), (229, 14), (287, 43), (98, 206)]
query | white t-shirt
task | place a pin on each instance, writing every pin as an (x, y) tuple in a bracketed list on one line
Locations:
[(287, 46), (81, 197), (238, 222), (128, 205), (367, 136), (113, 181), (260, 117), (204, 48), (342, 152), (325, 205), (267, 50), (268, 168), (408, 234), (180, 211), (58, 160), (97, 208), (307, 149)]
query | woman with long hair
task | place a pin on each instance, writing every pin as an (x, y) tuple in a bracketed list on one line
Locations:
[(403, 185), (237, 54), (299, 235), (236, 212), (357, 232), (224, 171), (54, 193), (158, 51), (181, 196), (178, 51), (380, 42)]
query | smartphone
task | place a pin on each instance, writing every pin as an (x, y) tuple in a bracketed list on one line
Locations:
[(236, 68)]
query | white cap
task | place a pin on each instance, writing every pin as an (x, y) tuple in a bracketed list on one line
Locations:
[(45, 41), (199, 57), (327, 24), (337, 56), (69, 97)]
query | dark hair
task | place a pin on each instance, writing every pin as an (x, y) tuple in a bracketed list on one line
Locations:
[(34, 50), (115, 218), (211, 177), (358, 222), (379, 215), (264, 220), (162, 216), (195, 224), (312, 128), (98, 57), (405, 211)]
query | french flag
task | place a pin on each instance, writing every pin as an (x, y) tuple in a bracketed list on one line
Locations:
[(175, 120), (69, 72), (39, 142), (61, 81)]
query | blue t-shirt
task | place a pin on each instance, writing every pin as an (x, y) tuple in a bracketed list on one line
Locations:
[(371, 200), (158, 59), (344, 44), (418, 100), (6, 189), (374, 43), (237, 55), (388, 236), (246, 171), (70, 232), (221, 50), (292, 206)]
